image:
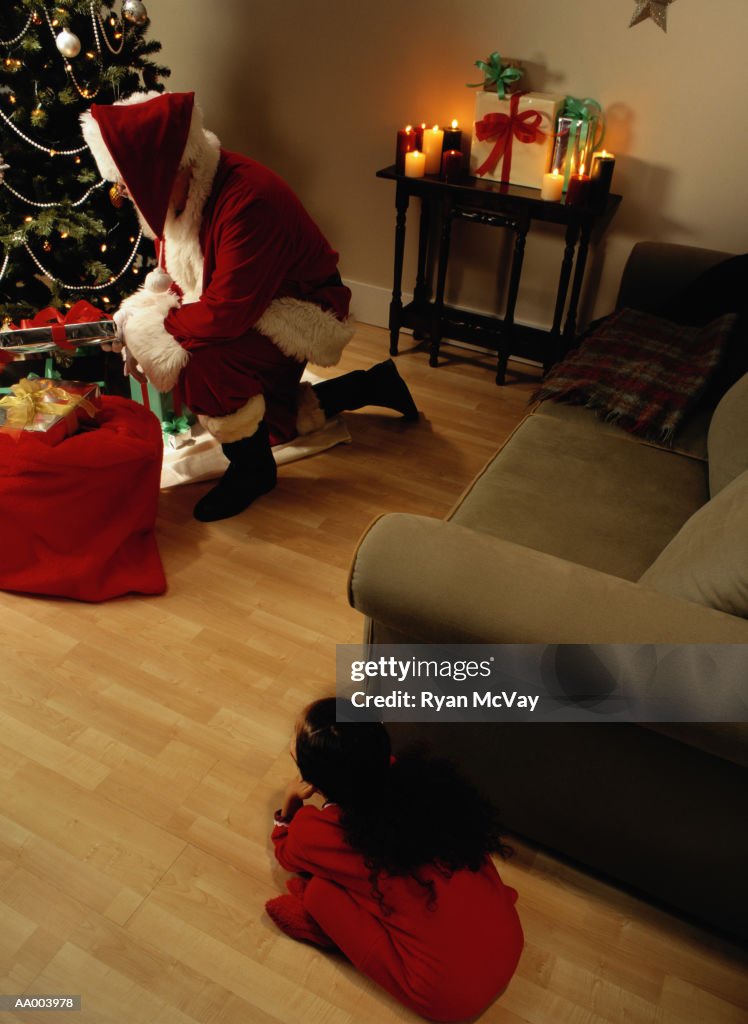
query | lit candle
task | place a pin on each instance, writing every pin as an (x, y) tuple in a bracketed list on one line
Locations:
[(433, 141), (577, 192), (415, 164), (601, 176), (406, 142), (452, 165), (419, 136), (452, 137), (553, 186)]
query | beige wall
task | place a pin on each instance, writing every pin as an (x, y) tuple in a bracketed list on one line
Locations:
[(316, 90)]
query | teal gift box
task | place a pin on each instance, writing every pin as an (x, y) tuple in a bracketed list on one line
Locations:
[(176, 419)]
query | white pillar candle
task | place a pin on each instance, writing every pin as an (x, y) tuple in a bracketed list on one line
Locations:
[(433, 141), (553, 186), (415, 164)]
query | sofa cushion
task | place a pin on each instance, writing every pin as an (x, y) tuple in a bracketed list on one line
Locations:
[(596, 497), (707, 561), (718, 289), (727, 441), (689, 439)]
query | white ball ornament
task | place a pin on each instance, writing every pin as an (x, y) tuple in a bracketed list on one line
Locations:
[(68, 43), (135, 12)]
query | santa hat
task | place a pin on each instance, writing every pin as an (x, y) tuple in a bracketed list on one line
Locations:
[(143, 141)]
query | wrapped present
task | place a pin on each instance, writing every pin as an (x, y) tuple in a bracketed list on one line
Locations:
[(81, 326), (48, 410), (579, 132), (500, 75), (176, 419), (513, 137), (177, 432)]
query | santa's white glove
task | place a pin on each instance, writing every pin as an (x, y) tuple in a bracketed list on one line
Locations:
[(120, 319)]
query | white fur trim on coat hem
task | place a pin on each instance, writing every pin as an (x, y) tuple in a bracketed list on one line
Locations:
[(237, 425), (158, 353), (305, 331)]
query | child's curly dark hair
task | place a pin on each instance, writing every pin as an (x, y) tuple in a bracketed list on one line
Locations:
[(402, 815)]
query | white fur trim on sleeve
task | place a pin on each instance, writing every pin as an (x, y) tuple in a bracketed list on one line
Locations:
[(305, 331), (237, 425), (160, 355)]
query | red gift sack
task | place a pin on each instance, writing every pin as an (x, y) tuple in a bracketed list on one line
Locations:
[(77, 520)]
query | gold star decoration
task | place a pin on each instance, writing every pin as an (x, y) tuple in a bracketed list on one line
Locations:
[(654, 9)]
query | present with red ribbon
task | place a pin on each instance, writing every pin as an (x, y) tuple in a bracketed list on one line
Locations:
[(83, 324), (48, 410), (513, 137)]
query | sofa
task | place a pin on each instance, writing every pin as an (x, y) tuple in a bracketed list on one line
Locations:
[(577, 532)]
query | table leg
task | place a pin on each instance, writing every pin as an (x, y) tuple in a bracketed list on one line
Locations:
[(422, 290), (507, 326), (396, 305), (570, 327), (441, 280), (554, 347)]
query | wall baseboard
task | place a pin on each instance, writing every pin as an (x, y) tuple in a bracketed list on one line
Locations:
[(370, 303)]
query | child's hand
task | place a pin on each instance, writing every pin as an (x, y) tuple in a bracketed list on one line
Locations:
[(297, 791)]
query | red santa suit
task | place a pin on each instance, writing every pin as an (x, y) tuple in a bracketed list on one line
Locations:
[(256, 292), (446, 959)]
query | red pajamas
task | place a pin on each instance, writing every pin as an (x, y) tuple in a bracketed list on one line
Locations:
[(447, 963)]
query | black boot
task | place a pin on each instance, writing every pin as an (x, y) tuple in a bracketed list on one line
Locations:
[(252, 473), (381, 385)]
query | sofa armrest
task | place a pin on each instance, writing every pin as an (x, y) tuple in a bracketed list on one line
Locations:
[(434, 581), (656, 272)]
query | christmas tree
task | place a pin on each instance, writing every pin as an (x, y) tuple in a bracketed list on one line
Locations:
[(65, 234)]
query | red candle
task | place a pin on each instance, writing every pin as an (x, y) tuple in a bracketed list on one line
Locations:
[(452, 165), (419, 136), (452, 137), (406, 143), (578, 190)]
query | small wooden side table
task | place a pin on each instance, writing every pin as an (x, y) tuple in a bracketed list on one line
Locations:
[(496, 205)]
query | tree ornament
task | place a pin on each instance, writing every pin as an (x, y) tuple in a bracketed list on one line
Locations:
[(135, 12), (68, 43), (115, 197), (654, 9)]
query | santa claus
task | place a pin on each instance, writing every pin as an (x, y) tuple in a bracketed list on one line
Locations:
[(246, 293)]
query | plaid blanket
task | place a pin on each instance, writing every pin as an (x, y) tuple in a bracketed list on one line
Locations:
[(640, 371)]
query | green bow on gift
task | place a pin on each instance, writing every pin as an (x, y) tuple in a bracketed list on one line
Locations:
[(587, 120), (176, 425), (496, 74)]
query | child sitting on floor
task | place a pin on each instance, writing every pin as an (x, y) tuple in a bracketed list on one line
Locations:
[(400, 879)]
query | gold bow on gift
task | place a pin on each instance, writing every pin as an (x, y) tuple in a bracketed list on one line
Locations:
[(32, 397)]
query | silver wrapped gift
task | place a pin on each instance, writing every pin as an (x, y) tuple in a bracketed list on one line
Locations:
[(584, 142), (33, 340)]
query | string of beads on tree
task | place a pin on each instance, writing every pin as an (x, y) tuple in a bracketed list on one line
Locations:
[(64, 233)]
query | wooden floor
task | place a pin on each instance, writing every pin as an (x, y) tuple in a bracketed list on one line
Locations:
[(144, 744)]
